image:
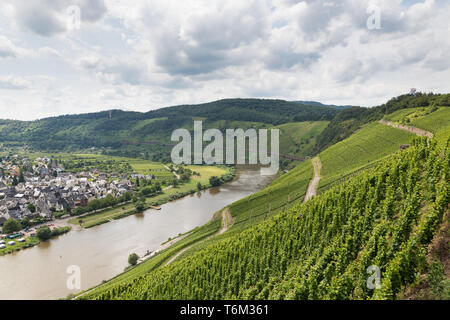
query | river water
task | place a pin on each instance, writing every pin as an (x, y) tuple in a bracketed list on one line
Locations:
[(102, 252)]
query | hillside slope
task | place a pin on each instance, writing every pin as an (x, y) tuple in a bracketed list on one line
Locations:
[(320, 249), (132, 133)]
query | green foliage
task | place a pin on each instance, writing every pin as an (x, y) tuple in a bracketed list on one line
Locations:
[(44, 233), (139, 206), (31, 207), (215, 181), (11, 225), (97, 204), (436, 278), (133, 259)]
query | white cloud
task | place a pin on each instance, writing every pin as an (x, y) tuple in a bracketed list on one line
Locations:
[(13, 83), (8, 49), (164, 52)]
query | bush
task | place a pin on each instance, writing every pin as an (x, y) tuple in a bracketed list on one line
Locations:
[(215, 181)]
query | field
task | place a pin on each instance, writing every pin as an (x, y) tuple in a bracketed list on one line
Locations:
[(362, 149)]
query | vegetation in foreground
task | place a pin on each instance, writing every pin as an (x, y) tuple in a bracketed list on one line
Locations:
[(321, 249)]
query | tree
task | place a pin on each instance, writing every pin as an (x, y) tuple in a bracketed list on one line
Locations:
[(199, 186), (15, 182), (214, 181), (133, 259), (175, 182), (44, 233), (25, 223), (21, 177), (11, 225), (31, 207), (139, 206)]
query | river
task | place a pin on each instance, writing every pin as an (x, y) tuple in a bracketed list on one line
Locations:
[(101, 252)]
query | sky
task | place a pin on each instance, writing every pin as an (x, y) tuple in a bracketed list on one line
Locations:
[(78, 56)]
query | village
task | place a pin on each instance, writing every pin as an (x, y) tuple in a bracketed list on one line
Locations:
[(39, 190)]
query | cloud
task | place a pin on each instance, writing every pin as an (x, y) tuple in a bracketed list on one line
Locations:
[(9, 49), (48, 18), (13, 83)]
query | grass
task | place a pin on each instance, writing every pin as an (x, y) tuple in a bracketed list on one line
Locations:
[(29, 242)]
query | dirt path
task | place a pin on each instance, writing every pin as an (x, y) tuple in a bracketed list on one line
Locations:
[(417, 131), (176, 175), (227, 221), (314, 184)]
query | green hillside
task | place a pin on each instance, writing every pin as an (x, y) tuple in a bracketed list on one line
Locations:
[(369, 144), (325, 253), (432, 119), (136, 134)]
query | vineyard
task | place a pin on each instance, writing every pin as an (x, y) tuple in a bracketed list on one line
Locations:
[(360, 150), (385, 216)]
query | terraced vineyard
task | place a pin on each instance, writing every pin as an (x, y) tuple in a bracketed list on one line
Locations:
[(362, 149)]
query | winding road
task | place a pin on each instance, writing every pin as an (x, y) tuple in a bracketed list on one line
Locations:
[(314, 184)]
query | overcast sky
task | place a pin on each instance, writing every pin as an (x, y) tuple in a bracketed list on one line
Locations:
[(142, 55)]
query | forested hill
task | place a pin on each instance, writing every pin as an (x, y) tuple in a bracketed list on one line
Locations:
[(316, 103), (110, 129)]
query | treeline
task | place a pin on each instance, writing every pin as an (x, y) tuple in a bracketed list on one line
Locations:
[(385, 218), (106, 202)]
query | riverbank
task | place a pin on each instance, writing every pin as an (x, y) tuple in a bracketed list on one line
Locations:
[(29, 241), (226, 174)]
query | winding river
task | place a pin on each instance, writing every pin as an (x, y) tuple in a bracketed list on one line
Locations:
[(101, 252)]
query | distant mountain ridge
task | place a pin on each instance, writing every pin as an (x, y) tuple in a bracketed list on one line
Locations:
[(320, 104)]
